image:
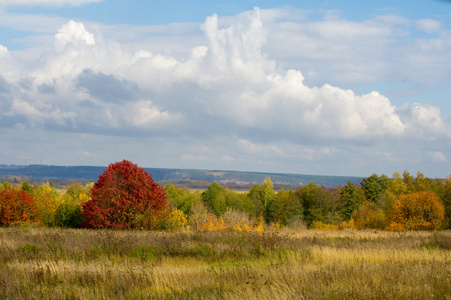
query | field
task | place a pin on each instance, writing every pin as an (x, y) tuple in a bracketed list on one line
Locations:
[(45, 263)]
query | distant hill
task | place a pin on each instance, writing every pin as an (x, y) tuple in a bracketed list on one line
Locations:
[(91, 173)]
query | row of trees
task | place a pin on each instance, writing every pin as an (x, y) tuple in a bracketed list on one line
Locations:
[(125, 196)]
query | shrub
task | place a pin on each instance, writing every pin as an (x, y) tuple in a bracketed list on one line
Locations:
[(16, 206), (198, 216), (418, 211), (176, 220), (123, 192), (234, 217), (369, 215), (395, 227), (68, 215), (214, 224), (322, 226), (348, 225)]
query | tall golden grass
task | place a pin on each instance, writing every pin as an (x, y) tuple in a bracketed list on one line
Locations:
[(44, 263)]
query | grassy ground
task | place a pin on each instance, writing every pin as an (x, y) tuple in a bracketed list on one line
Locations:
[(42, 263)]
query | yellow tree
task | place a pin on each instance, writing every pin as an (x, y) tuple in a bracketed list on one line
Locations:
[(417, 211), (47, 200)]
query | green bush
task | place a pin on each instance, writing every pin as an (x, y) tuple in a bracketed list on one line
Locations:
[(68, 215)]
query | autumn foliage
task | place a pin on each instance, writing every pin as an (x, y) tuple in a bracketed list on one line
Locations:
[(16, 206), (417, 211), (124, 196)]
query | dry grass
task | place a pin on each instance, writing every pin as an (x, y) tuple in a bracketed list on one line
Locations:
[(43, 263)]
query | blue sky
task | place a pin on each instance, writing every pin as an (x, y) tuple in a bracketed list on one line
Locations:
[(312, 87)]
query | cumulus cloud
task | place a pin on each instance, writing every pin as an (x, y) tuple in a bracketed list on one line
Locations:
[(229, 81), (229, 87), (73, 33), (106, 88), (3, 51)]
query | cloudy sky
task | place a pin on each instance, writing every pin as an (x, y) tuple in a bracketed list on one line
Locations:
[(310, 87)]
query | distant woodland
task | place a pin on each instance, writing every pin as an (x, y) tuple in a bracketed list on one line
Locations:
[(126, 196)]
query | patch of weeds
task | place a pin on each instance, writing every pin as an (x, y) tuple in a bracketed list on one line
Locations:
[(30, 251), (344, 239), (202, 251), (442, 240), (95, 252), (428, 246), (146, 252), (56, 250)]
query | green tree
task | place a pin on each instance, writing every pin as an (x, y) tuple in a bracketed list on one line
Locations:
[(181, 199), (396, 187), (374, 186), (409, 182), (446, 200), (262, 196), (286, 207), (69, 213), (27, 188), (320, 204), (352, 197), (236, 201), (210, 197)]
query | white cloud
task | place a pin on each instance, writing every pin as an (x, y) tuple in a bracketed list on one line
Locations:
[(228, 88), (424, 122), (428, 25), (3, 51), (41, 113), (230, 79), (73, 33), (438, 156), (145, 115)]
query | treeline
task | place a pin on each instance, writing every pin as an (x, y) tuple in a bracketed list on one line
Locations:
[(402, 202)]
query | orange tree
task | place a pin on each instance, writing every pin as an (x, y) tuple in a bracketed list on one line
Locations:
[(16, 206), (124, 196), (417, 211)]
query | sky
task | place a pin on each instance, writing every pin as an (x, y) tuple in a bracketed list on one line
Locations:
[(321, 87)]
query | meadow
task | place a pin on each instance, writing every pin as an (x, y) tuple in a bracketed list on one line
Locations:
[(55, 263)]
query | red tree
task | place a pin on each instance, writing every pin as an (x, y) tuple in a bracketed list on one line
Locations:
[(122, 195), (16, 206)]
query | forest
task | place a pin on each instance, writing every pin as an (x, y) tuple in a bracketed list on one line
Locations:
[(126, 197)]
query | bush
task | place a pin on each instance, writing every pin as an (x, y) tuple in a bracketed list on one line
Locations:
[(122, 193), (418, 211), (318, 225), (176, 220), (68, 215), (348, 225), (369, 215), (16, 206)]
